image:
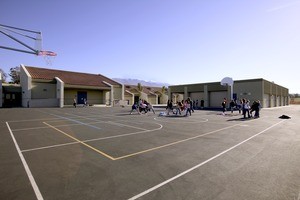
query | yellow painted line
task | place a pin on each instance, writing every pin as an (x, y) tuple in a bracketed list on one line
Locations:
[(89, 146), (173, 143), (144, 151)]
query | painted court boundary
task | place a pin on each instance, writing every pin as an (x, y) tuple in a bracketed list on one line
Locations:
[(199, 165), (28, 172), (139, 152)]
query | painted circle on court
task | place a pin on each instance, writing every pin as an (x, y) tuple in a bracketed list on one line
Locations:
[(176, 119)]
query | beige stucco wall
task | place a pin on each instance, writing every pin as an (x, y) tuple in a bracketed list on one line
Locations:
[(43, 90), (152, 99), (129, 99), (277, 95), (251, 90), (93, 96), (118, 92), (42, 95), (38, 93), (69, 95)]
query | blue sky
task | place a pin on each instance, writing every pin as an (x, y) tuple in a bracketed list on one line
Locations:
[(172, 41)]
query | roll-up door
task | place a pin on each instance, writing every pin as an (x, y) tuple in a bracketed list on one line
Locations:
[(266, 101), (216, 98)]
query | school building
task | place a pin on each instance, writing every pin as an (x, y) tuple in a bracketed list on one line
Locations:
[(56, 88), (269, 93), (41, 87), (153, 95)]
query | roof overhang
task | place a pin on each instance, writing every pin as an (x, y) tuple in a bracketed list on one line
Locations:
[(68, 86), (11, 88)]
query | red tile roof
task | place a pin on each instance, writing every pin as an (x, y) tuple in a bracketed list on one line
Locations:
[(70, 78)]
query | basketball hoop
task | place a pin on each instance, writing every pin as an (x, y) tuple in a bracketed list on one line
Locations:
[(49, 56), (11, 32), (227, 81)]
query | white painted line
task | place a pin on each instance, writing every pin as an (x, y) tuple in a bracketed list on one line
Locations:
[(124, 125), (45, 127), (91, 140), (48, 147), (29, 174), (123, 135), (199, 165), (175, 119), (31, 120), (79, 122), (110, 122), (42, 127), (83, 117)]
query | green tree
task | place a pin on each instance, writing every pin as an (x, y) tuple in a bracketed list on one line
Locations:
[(15, 74), (140, 87), (163, 89), (3, 75)]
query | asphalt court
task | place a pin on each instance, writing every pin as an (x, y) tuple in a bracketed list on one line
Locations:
[(105, 153)]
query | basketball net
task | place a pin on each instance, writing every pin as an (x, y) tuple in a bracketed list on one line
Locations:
[(48, 56)]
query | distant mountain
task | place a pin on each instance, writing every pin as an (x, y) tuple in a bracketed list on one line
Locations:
[(143, 83)]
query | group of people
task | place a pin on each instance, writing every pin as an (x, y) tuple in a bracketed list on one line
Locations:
[(85, 104), (142, 106), (195, 104), (184, 106), (243, 106)]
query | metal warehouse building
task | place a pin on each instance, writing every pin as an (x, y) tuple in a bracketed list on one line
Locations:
[(269, 93)]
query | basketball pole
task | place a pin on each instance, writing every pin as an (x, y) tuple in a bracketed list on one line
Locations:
[(22, 43), (21, 29), (4, 29), (231, 91), (227, 81), (20, 50)]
